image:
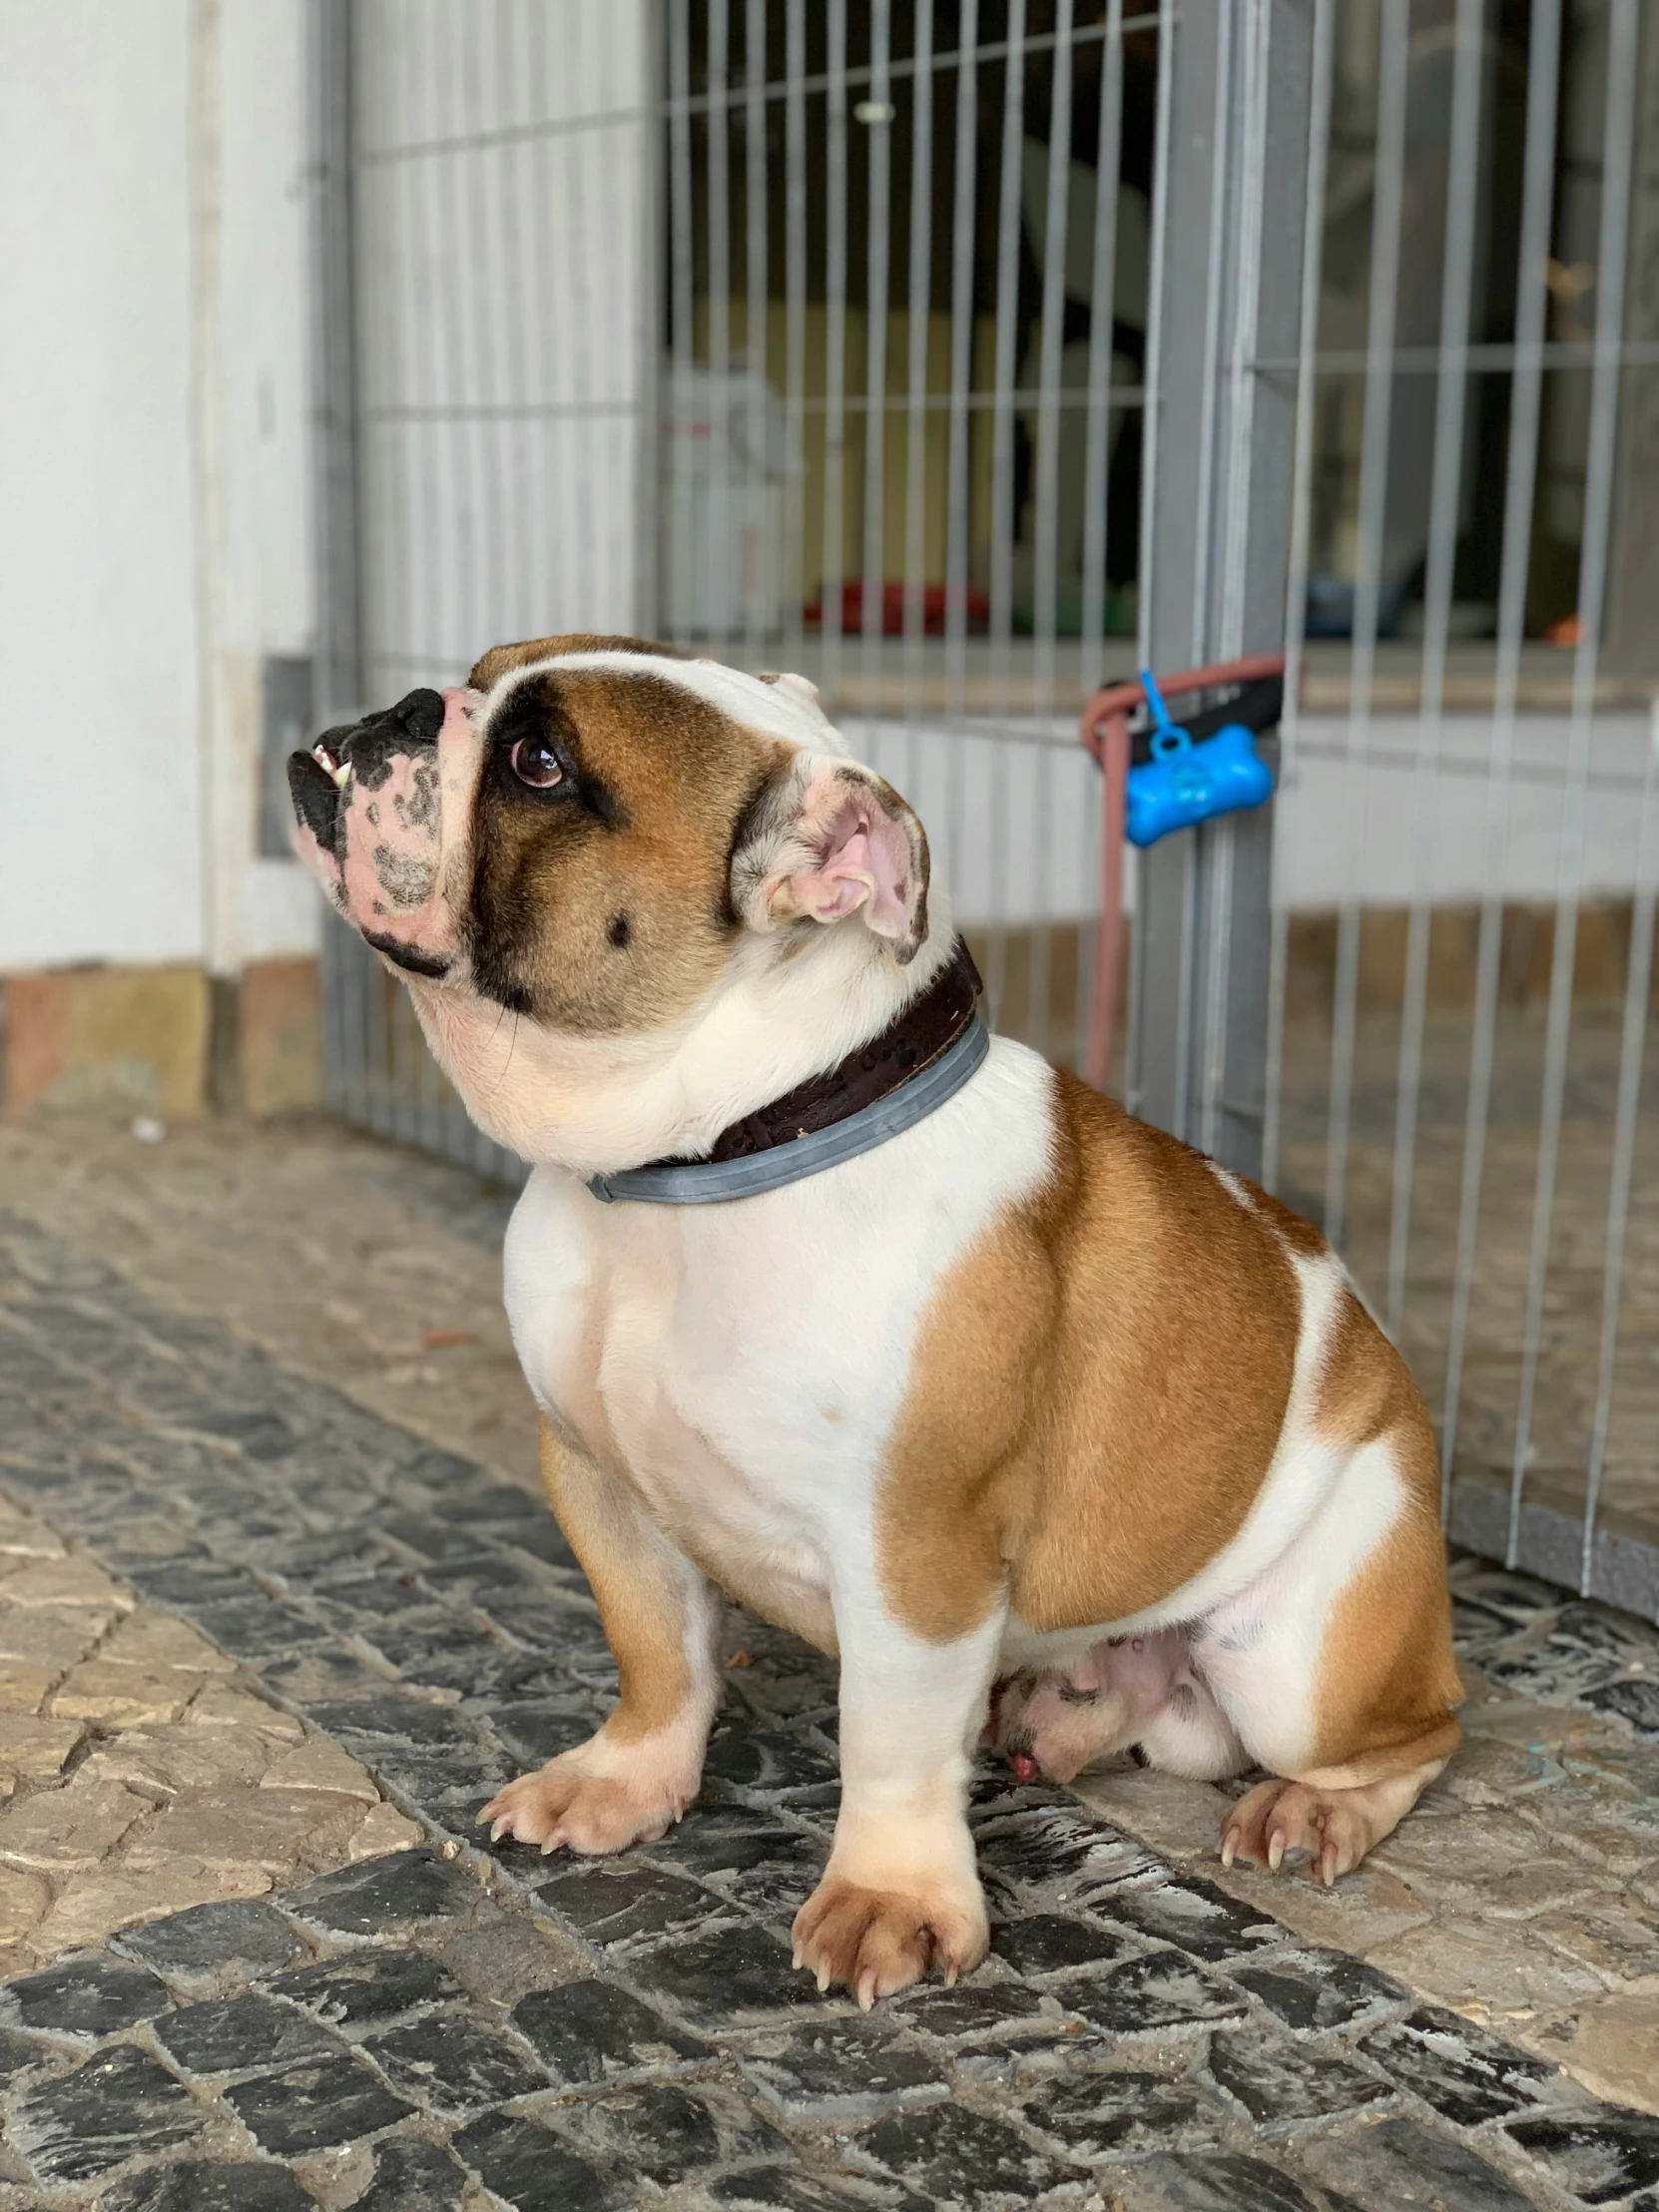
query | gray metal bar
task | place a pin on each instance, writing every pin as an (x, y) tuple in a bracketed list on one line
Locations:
[(755, 223), (834, 345), (794, 315), (957, 489), (1013, 155), (1618, 120), (1445, 500), (720, 517), (1102, 296), (680, 256), (1632, 1050), (917, 334), (1296, 589), (878, 254), (1043, 609), (1227, 287), (1531, 304), (337, 525), (1387, 205)]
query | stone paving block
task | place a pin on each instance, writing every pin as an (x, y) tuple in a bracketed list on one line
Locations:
[(1229, 2182), (1612, 2046), (527, 2167), (240, 2185), (21, 2055), (120, 2105), (1050, 1944), (158, 1640), (536, 1729), (1635, 1702), (119, 1696), (24, 1900), (312, 2107), (772, 1761), (243, 2034), (1466, 2075), (49, 1584), (618, 1900), (1282, 2085), (53, 1637), (966, 2160), (167, 1759), (84, 1997), (278, 1830), (590, 2030), (668, 2131), (840, 2070), (1162, 1992), (366, 1987), (1598, 2157), (229, 1940), (1400, 2163), (1194, 1914), (1478, 1965), (973, 2008), (383, 1830), (409, 1889), (217, 1707), (318, 1764), (735, 1976), (453, 2063), (790, 2189), (25, 1685), (412, 2177), (1103, 2114), (1318, 1989), (37, 1749)]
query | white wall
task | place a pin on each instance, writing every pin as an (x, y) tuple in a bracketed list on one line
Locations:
[(154, 470)]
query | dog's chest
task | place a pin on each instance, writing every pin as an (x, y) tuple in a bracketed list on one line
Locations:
[(689, 1363)]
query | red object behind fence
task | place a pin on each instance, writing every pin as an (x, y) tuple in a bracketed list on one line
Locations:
[(934, 602)]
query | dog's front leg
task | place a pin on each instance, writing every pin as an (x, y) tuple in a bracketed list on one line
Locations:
[(631, 1782), (900, 1892)]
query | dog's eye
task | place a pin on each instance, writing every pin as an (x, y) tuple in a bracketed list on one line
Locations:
[(535, 763)]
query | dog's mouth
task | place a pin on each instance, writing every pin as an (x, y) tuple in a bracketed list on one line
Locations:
[(315, 781)]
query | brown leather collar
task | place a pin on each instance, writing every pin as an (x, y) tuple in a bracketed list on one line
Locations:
[(924, 1029)]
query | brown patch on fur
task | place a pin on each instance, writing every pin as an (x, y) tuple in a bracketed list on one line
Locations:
[(660, 784), (500, 660), (1388, 1681), (1097, 1390), (639, 1605)]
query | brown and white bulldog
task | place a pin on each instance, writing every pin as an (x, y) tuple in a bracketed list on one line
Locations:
[(1033, 1417)]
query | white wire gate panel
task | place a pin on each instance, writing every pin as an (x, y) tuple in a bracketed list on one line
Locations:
[(967, 354), (1467, 830)]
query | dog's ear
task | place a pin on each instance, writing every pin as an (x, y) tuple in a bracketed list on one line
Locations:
[(825, 839)]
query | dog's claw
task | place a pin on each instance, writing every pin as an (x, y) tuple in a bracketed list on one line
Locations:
[(1327, 1865), (498, 1829), (1275, 1850), (1229, 1848)]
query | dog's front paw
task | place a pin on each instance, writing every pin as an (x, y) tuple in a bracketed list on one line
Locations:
[(1289, 1819), (877, 1942), (568, 1801)]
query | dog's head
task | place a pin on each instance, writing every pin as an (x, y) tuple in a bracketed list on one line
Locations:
[(587, 831)]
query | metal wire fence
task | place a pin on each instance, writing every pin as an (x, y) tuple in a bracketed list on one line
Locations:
[(965, 353)]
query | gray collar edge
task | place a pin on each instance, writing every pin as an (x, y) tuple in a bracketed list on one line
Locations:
[(708, 1182)]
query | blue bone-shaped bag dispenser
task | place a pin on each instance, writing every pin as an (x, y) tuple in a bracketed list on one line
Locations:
[(1184, 783)]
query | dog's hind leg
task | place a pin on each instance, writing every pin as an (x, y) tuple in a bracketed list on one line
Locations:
[(631, 1782), (1337, 1671)]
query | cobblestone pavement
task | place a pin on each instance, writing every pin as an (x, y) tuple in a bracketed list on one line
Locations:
[(139, 1771), (450, 2026)]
